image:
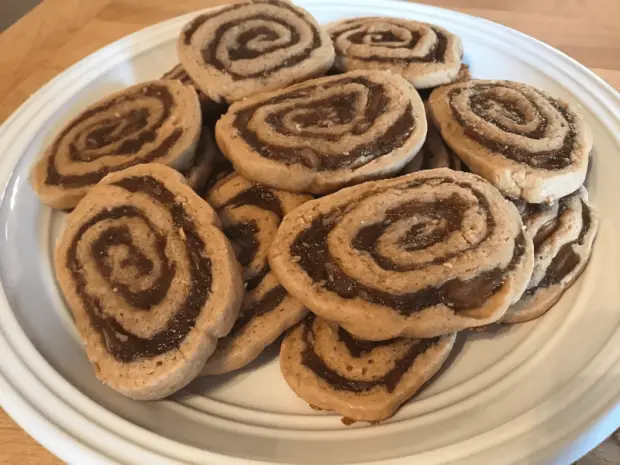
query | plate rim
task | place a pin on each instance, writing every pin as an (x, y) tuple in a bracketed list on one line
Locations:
[(26, 413)]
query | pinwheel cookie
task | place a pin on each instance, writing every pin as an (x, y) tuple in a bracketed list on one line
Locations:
[(421, 255), (152, 122), (530, 145), (150, 279), (326, 133)]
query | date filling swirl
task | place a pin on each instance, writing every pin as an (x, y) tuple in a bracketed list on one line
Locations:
[(358, 370), (342, 123), (115, 135), (518, 122), (405, 231), (433, 245), (121, 248), (390, 40), (254, 39)]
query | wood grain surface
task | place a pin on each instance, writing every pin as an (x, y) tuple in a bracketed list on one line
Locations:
[(58, 33)]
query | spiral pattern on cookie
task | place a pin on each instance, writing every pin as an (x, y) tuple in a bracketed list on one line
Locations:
[(251, 214), (563, 234), (255, 45), (158, 121), (528, 143), (420, 255), (426, 55), (362, 380), (143, 267), (325, 133)]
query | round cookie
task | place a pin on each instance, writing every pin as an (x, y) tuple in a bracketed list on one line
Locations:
[(151, 122), (250, 215), (424, 54), (150, 279), (563, 235), (211, 110), (421, 255), (239, 50), (326, 133), (528, 144), (361, 380), (203, 162)]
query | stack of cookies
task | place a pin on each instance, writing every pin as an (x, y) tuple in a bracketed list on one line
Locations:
[(289, 179)]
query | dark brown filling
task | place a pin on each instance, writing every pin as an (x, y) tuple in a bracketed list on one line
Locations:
[(319, 113), (242, 51), (567, 259), (442, 218), (549, 159), (266, 304), (132, 128), (314, 258), (259, 196), (359, 347), (245, 235), (124, 346), (437, 53), (390, 380)]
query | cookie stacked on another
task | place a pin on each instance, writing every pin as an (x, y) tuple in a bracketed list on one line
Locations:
[(535, 149), (250, 215), (400, 265), (434, 219)]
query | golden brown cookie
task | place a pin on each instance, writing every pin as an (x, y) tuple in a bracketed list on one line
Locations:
[(424, 54), (528, 144), (421, 255), (150, 279), (361, 380), (239, 50), (563, 235), (151, 122), (327, 133), (250, 215)]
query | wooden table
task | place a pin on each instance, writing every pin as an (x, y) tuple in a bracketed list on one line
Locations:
[(58, 33)]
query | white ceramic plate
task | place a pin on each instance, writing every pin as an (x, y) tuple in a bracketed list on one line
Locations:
[(540, 393)]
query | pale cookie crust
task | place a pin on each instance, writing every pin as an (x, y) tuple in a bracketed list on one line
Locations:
[(150, 279), (528, 144), (421, 255), (424, 54), (240, 50), (325, 134), (165, 121), (563, 235), (361, 380)]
